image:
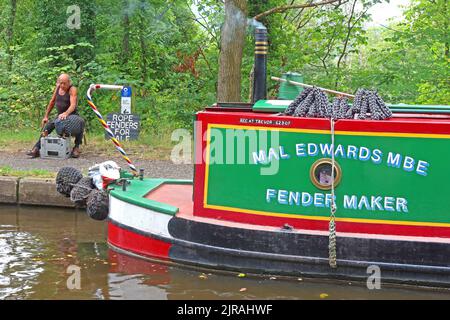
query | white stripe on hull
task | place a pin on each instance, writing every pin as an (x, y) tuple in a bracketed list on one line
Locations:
[(139, 218)]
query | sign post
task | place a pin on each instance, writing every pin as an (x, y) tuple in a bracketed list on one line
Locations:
[(124, 125), (125, 106)]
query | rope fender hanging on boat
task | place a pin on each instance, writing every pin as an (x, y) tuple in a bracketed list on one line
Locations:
[(82, 191), (66, 178), (97, 206)]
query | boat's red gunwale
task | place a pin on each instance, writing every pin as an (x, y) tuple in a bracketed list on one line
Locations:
[(394, 125), (323, 225)]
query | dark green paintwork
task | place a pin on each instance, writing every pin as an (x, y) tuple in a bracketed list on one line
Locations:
[(289, 91), (281, 105)]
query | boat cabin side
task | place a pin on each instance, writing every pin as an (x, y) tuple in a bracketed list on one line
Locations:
[(265, 168)]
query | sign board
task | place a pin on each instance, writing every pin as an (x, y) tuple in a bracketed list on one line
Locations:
[(125, 106), (277, 173), (123, 126)]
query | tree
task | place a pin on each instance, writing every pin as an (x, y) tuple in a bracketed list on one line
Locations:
[(169, 52), (231, 48), (10, 32), (126, 33), (407, 61), (233, 40), (55, 32)]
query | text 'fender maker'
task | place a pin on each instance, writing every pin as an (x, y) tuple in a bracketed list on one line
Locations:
[(263, 192)]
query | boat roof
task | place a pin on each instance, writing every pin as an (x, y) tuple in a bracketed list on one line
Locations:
[(401, 112)]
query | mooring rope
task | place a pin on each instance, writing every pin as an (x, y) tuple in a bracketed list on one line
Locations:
[(332, 225), (105, 125)]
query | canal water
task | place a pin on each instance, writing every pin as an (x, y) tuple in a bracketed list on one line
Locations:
[(43, 249)]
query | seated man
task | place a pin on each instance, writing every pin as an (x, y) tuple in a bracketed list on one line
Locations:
[(65, 99)]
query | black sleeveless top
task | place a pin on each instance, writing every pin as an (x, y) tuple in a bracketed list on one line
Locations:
[(63, 101)]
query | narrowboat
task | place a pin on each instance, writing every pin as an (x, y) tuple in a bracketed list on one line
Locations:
[(261, 200)]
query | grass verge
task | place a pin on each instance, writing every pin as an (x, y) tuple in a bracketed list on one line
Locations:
[(38, 173)]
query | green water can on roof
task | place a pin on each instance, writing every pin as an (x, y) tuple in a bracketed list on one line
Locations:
[(288, 91)]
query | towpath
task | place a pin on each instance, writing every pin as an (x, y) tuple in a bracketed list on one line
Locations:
[(153, 168)]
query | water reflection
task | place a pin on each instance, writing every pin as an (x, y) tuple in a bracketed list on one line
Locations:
[(37, 245), (19, 263)]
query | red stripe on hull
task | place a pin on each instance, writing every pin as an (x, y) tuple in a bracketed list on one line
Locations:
[(322, 225), (137, 243)]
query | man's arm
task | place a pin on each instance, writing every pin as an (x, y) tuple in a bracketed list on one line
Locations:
[(50, 106), (73, 103)]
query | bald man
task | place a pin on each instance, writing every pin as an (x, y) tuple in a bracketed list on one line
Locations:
[(65, 99)]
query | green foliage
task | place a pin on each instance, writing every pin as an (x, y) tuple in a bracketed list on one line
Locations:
[(408, 61), (166, 61), (168, 51)]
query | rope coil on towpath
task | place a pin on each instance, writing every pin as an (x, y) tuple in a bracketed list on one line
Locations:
[(105, 125)]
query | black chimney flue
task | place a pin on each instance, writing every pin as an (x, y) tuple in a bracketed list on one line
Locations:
[(260, 68)]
